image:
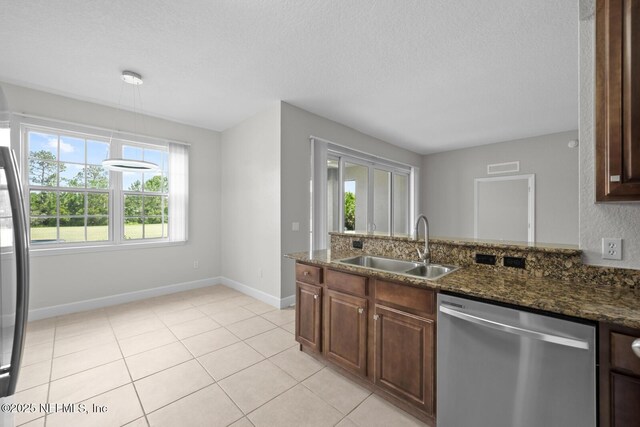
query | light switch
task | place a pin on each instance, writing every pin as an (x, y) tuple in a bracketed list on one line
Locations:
[(611, 248), (295, 226)]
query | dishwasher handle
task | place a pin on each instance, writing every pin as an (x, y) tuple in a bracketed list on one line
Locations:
[(569, 342)]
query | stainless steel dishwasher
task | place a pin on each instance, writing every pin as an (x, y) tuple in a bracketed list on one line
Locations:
[(502, 367)]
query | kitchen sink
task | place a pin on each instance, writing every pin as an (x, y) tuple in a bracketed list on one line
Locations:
[(411, 268), (431, 271)]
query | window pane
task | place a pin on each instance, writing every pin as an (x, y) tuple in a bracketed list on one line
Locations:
[(43, 230), (97, 228), (97, 177), (71, 175), (153, 228), (43, 146), (98, 203), (356, 179), (381, 200), (165, 227), (401, 204), (152, 206), (133, 153), (72, 229), (132, 206), (166, 206), (43, 172), (6, 232), (72, 203), (71, 149), (154, 183), (132, 181), (133, 228), (97, 151), (153, 156), (5, 202), (333, 196), (42, 203)]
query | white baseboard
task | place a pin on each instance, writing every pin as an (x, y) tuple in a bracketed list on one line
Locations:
[(91, 304), (259, 295)]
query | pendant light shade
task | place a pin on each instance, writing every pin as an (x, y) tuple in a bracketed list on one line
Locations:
[(130, 165)]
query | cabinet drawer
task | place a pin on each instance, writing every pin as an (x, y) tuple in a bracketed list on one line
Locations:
[(348, 283), (422, 300), (622, 356), (308, 274)]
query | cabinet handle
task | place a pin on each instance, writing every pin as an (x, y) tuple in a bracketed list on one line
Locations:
[(376, 317), (635, 346), (315, 296), (360, 310), (306, 273)]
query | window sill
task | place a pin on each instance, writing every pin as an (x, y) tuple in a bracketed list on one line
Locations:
[(38, 251)]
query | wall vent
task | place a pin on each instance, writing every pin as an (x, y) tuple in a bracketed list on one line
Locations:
[(498, 168)]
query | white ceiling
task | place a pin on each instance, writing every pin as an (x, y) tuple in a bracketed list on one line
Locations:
[(427, 75)]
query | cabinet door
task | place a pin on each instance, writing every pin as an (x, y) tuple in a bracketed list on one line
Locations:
[(404, 356), (617, 100), (625, 401), (346, 331), (308, 315)]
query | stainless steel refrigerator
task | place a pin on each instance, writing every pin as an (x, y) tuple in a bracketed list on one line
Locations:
[(14, 272)]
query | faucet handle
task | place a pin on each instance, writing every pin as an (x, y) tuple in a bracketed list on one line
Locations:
[(420, 254)]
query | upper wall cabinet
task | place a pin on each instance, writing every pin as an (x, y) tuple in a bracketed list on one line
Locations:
[(618, 100)]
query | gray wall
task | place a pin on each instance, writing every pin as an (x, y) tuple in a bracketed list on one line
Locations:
[(605, 219), (297, 126), (67, 278), (250, 201), (448, 185)]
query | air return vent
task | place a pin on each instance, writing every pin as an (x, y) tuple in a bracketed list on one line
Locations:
[(498, 168)]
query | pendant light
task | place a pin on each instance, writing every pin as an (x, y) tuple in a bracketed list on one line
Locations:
[(129, 165)]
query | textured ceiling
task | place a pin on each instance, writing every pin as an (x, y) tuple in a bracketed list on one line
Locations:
[(427, 75)]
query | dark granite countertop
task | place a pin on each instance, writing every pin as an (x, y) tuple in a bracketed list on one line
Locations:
[(613, 304)]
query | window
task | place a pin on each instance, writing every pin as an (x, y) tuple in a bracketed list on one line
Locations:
[(359, 193), (6, 223), (69, 194), (146, 201), (74, 201), (375, 197)]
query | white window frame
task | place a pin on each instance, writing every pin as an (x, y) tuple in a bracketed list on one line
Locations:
[(116, 193), (123, 193), (321, 151)]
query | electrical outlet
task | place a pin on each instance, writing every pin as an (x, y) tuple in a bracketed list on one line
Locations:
[(196, 264), (611, 248), (295, 226)]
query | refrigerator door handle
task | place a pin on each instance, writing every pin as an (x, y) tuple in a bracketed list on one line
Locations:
[(569, 342), (9, 373)]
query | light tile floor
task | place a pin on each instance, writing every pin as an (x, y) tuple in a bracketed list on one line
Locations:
[(206, 357)]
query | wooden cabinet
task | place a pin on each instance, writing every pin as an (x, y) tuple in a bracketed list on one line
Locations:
[(617, 100), (346, 331), (379, 333), (619, 377), (309, 315), (404, 357)]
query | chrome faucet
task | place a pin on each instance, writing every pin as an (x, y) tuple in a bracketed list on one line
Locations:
[(425, 256)]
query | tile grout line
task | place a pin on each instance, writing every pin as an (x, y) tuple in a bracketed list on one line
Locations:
[(211, 376), (53, 349), (130, 377), (104, 314)]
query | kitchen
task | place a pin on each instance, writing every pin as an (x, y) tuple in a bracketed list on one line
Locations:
[(276, 96)]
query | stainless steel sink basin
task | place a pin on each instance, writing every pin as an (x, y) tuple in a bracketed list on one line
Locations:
[(380, 263), (431, 271), (428, 271)]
